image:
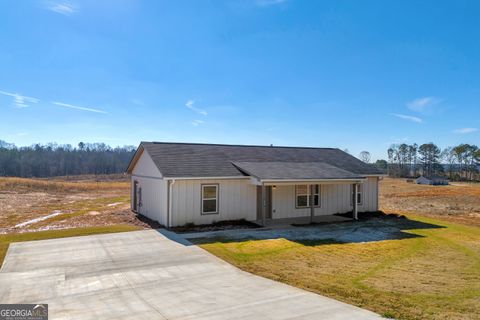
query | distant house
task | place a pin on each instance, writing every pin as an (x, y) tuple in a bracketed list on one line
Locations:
[(432, 180), (180, 183)]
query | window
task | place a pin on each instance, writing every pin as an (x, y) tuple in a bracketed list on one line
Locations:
[(209, 198), (359, 194), (303, 196)]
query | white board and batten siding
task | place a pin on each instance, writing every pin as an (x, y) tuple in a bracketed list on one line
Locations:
[(236, 200), (334, 198), (154, 189)]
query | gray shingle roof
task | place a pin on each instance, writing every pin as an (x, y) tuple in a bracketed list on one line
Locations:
[(294, 170), (215, 160)]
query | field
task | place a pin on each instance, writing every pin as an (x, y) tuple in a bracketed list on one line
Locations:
[(29, 205), (458, 202), (431, 272)]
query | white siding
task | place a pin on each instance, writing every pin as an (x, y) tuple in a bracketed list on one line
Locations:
[(154, 189), (370, 195), (334, 198), (145, 167), (154, 198), (237, 200)]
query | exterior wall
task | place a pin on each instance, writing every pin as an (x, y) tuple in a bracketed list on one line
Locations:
[(154, 198), (334, 198), (237, 200), (154, 189), (146, 167)]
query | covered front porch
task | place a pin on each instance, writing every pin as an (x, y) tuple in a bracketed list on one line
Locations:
[(307, 191), (307, 201)]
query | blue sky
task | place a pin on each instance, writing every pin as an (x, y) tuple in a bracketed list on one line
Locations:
[(349, 74)]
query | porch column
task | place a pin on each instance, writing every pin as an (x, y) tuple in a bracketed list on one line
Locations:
[(355, 201), (264, 204), (312, 208)]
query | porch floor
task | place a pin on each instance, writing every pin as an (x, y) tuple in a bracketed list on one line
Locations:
[(302, 220)]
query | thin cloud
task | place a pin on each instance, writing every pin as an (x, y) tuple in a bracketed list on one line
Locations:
[(197, 122), (267, 3), (20, 101), (64, 8), (406, 117), (70, 106), (190, 105), (138, 102), (423, 104), (465, 130)]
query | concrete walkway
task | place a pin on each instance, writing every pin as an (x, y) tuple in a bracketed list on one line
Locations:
[(146, 275)]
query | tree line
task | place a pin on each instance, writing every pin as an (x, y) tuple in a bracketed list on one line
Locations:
[(63, 160), (461, 162)]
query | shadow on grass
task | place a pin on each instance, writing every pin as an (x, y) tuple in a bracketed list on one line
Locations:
[(371, 227)]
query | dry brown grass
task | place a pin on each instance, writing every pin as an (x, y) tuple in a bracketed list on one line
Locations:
[(459, 202), (11, 184)]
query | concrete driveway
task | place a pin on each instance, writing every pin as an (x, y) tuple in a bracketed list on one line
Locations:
[(144, 274)]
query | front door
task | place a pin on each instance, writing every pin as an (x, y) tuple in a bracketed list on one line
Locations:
[(268, 200), (135, 196)]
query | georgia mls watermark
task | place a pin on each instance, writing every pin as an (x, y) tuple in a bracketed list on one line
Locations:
[(23, 311)]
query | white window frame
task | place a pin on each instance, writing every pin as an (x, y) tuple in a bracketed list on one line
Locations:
[(202, 198), (359, 194), (317, 187)]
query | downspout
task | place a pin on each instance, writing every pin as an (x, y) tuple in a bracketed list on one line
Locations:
[(170, 204)]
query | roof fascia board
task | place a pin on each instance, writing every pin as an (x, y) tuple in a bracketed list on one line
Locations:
[(135, 158), (310, 181), (147, 177), (375, 175), (208, 178)]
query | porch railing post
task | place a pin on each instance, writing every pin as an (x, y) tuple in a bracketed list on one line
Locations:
[(312, 209), (264, 205)]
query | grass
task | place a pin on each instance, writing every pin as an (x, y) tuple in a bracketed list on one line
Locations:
[(435, 275), (6, 239)]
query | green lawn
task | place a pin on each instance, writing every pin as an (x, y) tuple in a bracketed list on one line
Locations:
[(434, 275), (6, 239)]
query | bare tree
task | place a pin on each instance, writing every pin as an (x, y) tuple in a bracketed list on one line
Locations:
[(365, 156)]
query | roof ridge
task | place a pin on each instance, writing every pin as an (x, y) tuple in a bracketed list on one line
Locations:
[(236, 145)]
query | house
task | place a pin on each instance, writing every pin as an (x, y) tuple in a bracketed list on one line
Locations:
[(432, 180), (180, 183)]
